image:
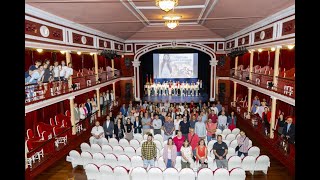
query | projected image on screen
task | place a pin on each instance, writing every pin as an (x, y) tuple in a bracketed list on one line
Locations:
[(175, 65)]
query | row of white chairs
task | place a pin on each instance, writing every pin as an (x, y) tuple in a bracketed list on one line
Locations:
[(139, 173)]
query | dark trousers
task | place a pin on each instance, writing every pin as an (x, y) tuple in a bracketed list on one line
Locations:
[(156, 131), (185, 136), (108, 136), (240, 153)]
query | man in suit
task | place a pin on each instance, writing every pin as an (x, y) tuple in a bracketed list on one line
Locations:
[(289, 130), (108, 127), (76, 113), (123, 110), (89, 107)]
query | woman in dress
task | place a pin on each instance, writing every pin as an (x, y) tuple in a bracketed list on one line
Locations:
[(128, 129), (119, 129), (169, 153), (186, 154), (280, 123), (232, 120), (201, 152), (137, 125)]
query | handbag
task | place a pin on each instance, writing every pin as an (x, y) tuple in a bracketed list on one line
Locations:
[(238, 147)]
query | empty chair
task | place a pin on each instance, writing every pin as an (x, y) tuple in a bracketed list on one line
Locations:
[(210, 144), (212, 163), (113, 142), (205, 174), (92, 171), (221, 174), (91, 140), (85, 147), (138, 137), (230, 137), (165, 142), (227, 142), (106, 149), (30, 135), (233, 143), (111, 160), (223, 136), (135, 143), (86, 157), (170, 174), (155, 173), (75, 158), (226, 131), (120, 173), (187, 174), (142, 142), (161, 164), (117, 150), (231, 152), (254, 151), (139, 173), (237, 174), (235, 131), (145, 137), (129, 151), (248, 164), (218, 131), (158, 144), (124, 160), (138, 151), (178, 163), (124, 143), (106, 172), (161, 151), (262, 164), (211, 154), (238, 135), (158, 137), (136, 161), (98, 159), (95, 148), (104, 141), (250, 143), (234, 162)]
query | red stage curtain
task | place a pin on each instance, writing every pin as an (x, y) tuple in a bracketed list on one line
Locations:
[(287, 59), (88, 61), (102, 62), (255, 59), (242, 91), (28, 61), (231, 90), (30, 121), (76, 61), (244, 60), (117, 89), (288, 109), (117, 63), (232, 61)]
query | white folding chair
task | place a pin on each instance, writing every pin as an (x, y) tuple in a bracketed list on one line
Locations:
[(218, 131), (85, 147), (129, 151), (124, 160), (98, 159), (136, 161), (211, 154), (262, 164), (106, 149), (226, 131), (178, 163), (121, 173), (91, 140), (211, 163), (95, 148), (135, 143), (92, 171), (227, 142), (234, 162), (117, 150), (238, 135), (124, 143), (170, 174), (205, 174), (230, 137), (235, 131), (104, 141), (187, 174), (86, 157), (221, 174), (161, 164), (106, 172), (145, 137), (75, 158), (138, 151), (138, 137), (139, 173), (155, 173), (237, 174), (158, 137), (111, 160), (210, 144), (113, 142), (248, 163), (250, 144), (233, 144), (254, 151), (231, 152), (158, 144)]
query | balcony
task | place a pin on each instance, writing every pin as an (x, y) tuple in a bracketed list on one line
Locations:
[(285, 86), (44, 91)]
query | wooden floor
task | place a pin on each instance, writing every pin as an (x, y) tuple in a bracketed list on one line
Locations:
[(63, 170)]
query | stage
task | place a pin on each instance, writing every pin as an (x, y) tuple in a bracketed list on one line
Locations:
[(177, 99)]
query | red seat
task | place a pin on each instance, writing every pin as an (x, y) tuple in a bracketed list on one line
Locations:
[(30, 135), (44, 131)]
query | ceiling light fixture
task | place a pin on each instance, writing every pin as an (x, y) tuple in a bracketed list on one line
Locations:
[(39, 50), (273, 49), (290, 46), (260, 50), (62, 52), (79, 53), (172, 21), (166, 5)]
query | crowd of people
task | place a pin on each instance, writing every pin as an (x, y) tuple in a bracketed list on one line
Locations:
[(187, 129)]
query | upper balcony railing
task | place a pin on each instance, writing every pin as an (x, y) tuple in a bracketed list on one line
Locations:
[(42, 91), (285, 86)]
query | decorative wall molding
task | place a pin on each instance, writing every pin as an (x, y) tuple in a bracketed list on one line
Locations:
[(128, 48), (177, 40), (41, 104)]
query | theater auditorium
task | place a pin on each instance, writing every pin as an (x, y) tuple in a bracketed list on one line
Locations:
[(159, 89)]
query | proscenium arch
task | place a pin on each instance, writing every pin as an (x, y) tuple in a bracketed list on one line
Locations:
[(152, 47)]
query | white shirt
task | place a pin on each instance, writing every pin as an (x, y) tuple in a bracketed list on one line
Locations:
[(187, 152), (157, 123), (107, 96), (97, 130), (260, 110), (182, 108), (176, 124), (222, 120), (82, 113), (35, 76), (108, 122), (69, 72), (215, 110), (169, 153), (56, 70), (112, 96), (63, 71)]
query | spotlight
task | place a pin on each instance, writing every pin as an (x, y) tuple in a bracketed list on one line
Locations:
[(273, 49), (74, 86), (62, 52), (39, 50), (260, 50), (122, 56), (290, 47), (79, 53)]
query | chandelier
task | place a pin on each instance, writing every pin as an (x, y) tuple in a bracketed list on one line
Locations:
[(166, 5), (172, 21)]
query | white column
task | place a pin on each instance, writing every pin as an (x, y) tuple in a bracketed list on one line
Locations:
[(68, 60), (114, 87), (251, 64), (72, 119), (236, 66), (98, 101), (276, 66), (234, 91), (96, 66), (273, 116), (112, 66), (213, 69), (136, 65), (249, 99)]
